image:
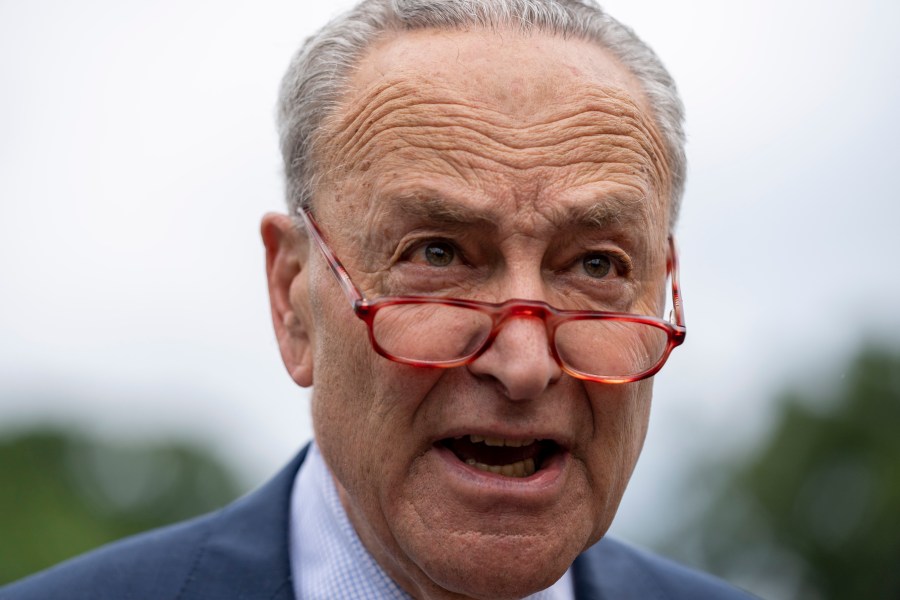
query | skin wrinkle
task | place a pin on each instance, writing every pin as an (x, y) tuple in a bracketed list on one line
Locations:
[(461, 169), (607, 169), (546, 174), (522, 544), (354, 136), (471, 537), (370, 107), (435, 209), (519, 159), (480, 286), (385, 93), (427, 522), (591, 118), (376, 279), (643, 192), (329, 165)]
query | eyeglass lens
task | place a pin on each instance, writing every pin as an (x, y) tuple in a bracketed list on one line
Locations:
[(598, 347)]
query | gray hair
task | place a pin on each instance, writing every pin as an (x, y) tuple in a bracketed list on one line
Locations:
[(318, 74)]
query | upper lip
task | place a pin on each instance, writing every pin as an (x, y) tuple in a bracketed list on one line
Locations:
[(560, 439)]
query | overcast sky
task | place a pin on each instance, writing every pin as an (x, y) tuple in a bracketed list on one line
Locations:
[(138, 153)]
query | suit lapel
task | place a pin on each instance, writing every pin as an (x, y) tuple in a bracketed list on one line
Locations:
[(608, 571), (245, 554)]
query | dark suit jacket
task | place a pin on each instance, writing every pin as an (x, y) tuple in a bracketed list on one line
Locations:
[(241, 552)]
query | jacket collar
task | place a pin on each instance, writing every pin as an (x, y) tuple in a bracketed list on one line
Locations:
[(245, 553)]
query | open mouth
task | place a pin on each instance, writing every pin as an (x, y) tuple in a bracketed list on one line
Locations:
[(510, 458)]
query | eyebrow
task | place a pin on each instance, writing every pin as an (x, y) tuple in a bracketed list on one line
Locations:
[(438, 210), (611, 210), (434, 208), (600, 214)]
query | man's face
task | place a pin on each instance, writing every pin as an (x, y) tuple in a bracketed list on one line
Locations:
[(484, 166)]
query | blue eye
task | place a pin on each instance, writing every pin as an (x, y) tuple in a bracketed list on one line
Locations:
[(439, 254), (597, 265)]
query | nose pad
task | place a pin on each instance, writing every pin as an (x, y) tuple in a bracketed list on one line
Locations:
[(519, 359)]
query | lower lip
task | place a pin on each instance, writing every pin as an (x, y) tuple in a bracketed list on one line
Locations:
[(543, 486)]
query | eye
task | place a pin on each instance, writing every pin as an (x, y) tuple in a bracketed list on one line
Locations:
[(438, 254), (596, 265)]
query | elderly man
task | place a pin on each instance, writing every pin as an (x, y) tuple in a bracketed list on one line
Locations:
[(472, 276)]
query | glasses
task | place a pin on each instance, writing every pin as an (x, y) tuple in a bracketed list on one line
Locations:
[(431, 331)]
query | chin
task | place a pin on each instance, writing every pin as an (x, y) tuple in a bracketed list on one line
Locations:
[(477, 573), (495, 559)]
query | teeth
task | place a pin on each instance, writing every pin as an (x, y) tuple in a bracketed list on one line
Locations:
[(523, 468), (513, 470), (519, 443), (475, 439)]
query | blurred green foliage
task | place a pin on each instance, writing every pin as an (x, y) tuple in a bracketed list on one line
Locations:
[(814, 512), (63, 493)]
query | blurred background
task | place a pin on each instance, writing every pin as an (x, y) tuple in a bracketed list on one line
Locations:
[(140, 382)]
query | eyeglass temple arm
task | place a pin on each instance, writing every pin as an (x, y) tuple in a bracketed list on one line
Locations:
[(676, 285), (350, 290)]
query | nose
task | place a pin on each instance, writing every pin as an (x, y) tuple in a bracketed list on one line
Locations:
[(519, 359)]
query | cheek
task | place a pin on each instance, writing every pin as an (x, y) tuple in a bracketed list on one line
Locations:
[(621, 416), (364, 406), (341, 375)]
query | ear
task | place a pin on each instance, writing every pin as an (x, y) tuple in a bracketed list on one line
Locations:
[(287, 252)]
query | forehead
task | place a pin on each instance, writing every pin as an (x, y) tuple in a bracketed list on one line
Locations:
[(516, 117), (496, 68)]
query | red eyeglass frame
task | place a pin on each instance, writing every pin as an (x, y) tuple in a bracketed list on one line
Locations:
[(366, 309)]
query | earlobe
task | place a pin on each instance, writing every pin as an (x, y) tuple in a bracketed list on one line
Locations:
[(286, 256)]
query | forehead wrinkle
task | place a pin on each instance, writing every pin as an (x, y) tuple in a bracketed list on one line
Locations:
[(397, 92), (395, 115), (595, 155)]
